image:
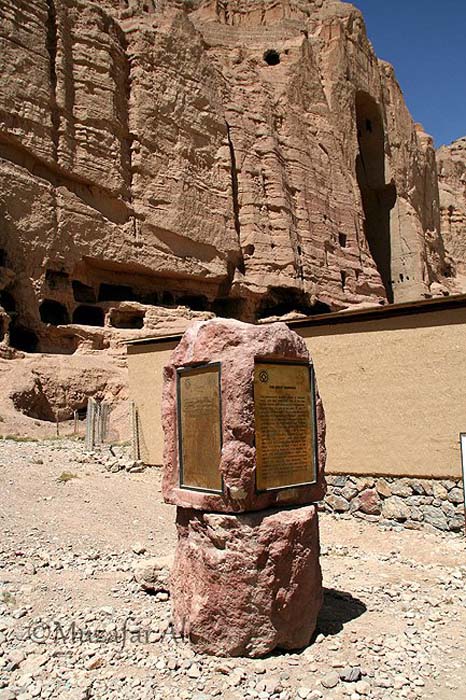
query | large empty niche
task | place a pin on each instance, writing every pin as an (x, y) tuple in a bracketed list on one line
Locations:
[(89, 316), (378, 198), (54, 313)]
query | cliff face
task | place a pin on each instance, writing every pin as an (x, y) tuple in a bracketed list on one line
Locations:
[(168, 158), (451, 163)]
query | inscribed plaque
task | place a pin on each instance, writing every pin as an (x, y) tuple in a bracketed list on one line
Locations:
[(200, 427), (284, 406)]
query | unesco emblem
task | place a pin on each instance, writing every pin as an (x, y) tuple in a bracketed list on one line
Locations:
[(264, 376)]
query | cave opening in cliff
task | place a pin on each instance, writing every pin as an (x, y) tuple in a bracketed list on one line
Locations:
[(228, 308), (23, 338), (56, 279), (195, 302), (83, 293), (168, 299), (116, 292), (122, 319), (54, 313), (272, 57), (378, 198), (7, 301), (283, 301), (89, 316)]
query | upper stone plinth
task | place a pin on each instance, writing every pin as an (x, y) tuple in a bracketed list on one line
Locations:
[(243, 421)]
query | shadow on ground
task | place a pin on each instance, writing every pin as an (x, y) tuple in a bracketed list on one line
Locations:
[(338, 608)]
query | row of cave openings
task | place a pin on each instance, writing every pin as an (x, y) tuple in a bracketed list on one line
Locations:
[(88, 312), (378, 199)]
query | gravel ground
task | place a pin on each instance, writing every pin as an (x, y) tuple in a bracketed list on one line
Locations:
[(74, 623)]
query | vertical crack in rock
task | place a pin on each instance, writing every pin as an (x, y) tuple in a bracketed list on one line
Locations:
[(234, 191), (234, 182), (52, 51)]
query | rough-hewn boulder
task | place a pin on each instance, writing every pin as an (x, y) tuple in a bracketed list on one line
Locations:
[(243, 585)]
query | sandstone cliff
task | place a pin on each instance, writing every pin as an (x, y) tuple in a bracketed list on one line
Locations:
[(451, 163), (236, 157), (165, 160)]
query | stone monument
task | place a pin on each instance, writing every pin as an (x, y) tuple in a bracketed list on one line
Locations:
[(244, 464)]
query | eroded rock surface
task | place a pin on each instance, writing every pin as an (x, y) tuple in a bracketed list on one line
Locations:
[(452, 181), (239, 158)]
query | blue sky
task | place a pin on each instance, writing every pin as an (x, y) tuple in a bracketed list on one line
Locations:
[(425, 40)]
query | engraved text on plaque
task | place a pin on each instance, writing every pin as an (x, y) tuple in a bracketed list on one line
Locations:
[(200, 427), (284, 407)]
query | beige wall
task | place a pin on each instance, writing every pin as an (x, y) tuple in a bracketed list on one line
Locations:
[(394, 392), (145, 369)]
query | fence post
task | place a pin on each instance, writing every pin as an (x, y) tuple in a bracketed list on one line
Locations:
[(135, 431), (90, 423)]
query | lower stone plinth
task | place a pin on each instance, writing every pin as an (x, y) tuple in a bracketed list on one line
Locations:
[(243, 585)]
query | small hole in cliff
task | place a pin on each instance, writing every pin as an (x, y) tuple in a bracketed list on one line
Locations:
[(89, 316), (369, 126), (54, 313), (343, 279), (272, 57), (249, 250), (342, 239)]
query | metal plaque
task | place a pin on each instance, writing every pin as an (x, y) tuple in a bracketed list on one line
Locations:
[(200, 427), (286, 430)]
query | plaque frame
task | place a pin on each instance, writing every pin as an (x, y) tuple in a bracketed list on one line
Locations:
[(184, 371), (313, 417)]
